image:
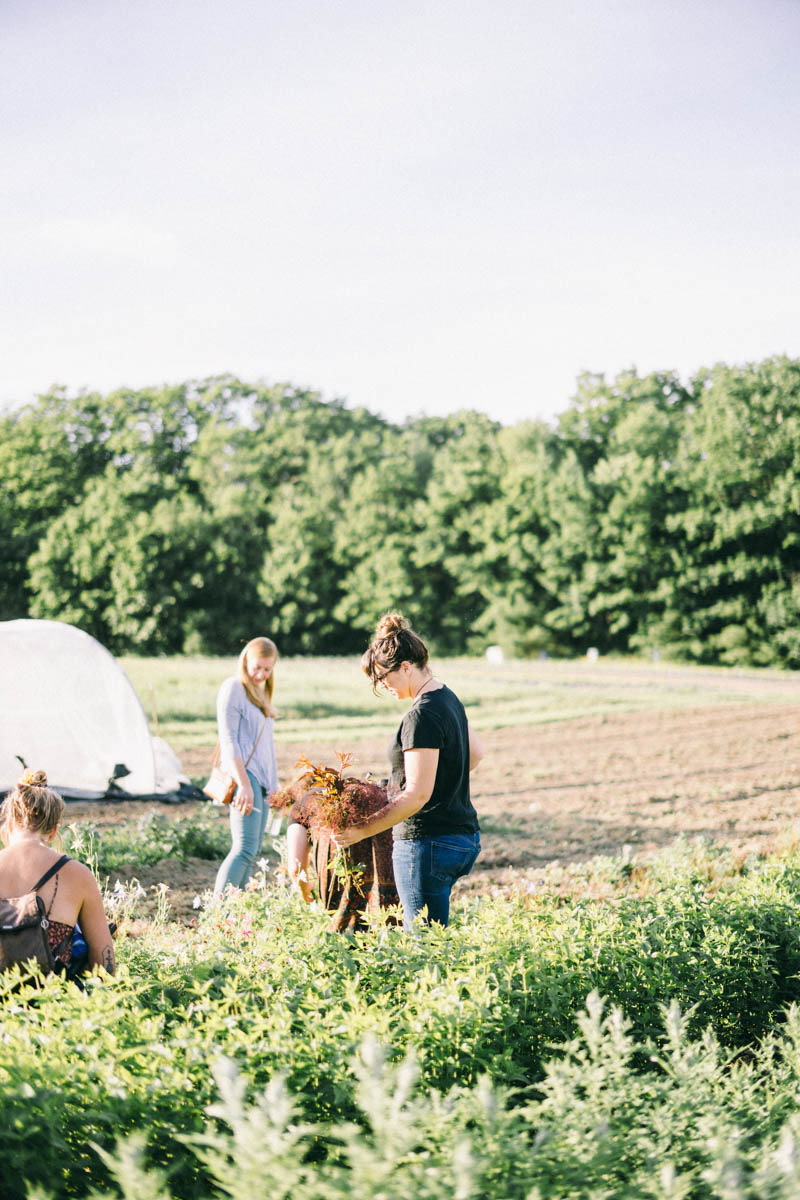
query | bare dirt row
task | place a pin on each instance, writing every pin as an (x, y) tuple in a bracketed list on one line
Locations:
[(569, 790)]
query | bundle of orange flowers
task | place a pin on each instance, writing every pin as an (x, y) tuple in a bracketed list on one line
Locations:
[(331, 799)]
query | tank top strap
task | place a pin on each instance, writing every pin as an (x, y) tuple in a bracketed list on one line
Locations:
[(65, 858)]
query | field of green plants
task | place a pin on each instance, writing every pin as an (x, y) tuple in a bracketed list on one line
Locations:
[(634, 1035)]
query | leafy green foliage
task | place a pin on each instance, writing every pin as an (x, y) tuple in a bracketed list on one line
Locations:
[(152, 837), (735, 542), (258, 1046), (696, 1126), (653, 515)]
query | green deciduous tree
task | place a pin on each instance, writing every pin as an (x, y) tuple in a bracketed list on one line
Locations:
[(651, 514), (512, 530), (731, 595), (447, 550), (608, 502), (49, 452), (140, 565), (377, 534)]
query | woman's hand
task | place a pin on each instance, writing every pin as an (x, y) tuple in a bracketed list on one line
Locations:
[(420, 771), (297, 849), (342, 838), (475, 748), (243, 800)]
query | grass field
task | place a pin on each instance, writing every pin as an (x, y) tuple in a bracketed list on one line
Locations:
[(327, 698)]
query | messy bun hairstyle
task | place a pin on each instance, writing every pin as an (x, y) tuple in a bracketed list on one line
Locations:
[(394, 643), (33, 805)]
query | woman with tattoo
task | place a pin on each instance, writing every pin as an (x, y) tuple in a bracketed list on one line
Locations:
[(29, 820)]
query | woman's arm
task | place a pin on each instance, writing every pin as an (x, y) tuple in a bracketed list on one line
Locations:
[(420, 771), (94, 926), (475, 748), (243, 797), (228, 722), (297, 859)]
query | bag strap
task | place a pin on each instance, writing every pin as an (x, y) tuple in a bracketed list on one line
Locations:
[(258, 739), (215, 757), (65, 858)]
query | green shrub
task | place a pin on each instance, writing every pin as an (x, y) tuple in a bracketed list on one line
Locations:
[(260, 981), (151, 838), (697, 1124)]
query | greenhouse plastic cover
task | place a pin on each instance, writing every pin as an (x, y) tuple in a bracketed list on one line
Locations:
[(68, 708)]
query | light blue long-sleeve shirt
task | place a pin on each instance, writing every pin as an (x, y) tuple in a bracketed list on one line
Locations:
[(239, 723)]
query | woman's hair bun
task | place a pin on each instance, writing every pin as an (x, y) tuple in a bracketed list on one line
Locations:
[(31, 778), (391, 624), (394, 643)]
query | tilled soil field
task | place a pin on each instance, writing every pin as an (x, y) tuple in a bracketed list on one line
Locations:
[(569, 790)]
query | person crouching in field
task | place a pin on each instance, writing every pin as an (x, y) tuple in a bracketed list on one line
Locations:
[(31, 814), (245, 719), (354, 886), (436, 831)]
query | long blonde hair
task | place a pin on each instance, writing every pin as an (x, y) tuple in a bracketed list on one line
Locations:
[(259, 694)]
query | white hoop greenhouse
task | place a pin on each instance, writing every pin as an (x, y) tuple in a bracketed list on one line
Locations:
[(68, 708)]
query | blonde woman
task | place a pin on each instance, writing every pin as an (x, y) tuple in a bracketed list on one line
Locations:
[(31, 814), (245, 718)]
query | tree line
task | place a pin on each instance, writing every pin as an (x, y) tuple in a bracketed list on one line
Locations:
[(651, 515)]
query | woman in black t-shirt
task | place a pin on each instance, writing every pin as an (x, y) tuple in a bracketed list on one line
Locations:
[(436, 832)]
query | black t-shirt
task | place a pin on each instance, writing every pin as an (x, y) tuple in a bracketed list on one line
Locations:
[(436, 721)]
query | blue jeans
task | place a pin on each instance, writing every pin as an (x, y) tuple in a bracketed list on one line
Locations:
[(425, 870), (247, 834)]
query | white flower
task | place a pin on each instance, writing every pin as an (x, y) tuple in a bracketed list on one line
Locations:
[(196, 903)]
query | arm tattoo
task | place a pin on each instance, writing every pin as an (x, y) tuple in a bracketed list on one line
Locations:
[(107, 958)]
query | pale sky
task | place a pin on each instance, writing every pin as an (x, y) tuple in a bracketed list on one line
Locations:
[(417, 207)]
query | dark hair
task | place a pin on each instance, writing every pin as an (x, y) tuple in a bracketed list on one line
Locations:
[(395, 642)]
